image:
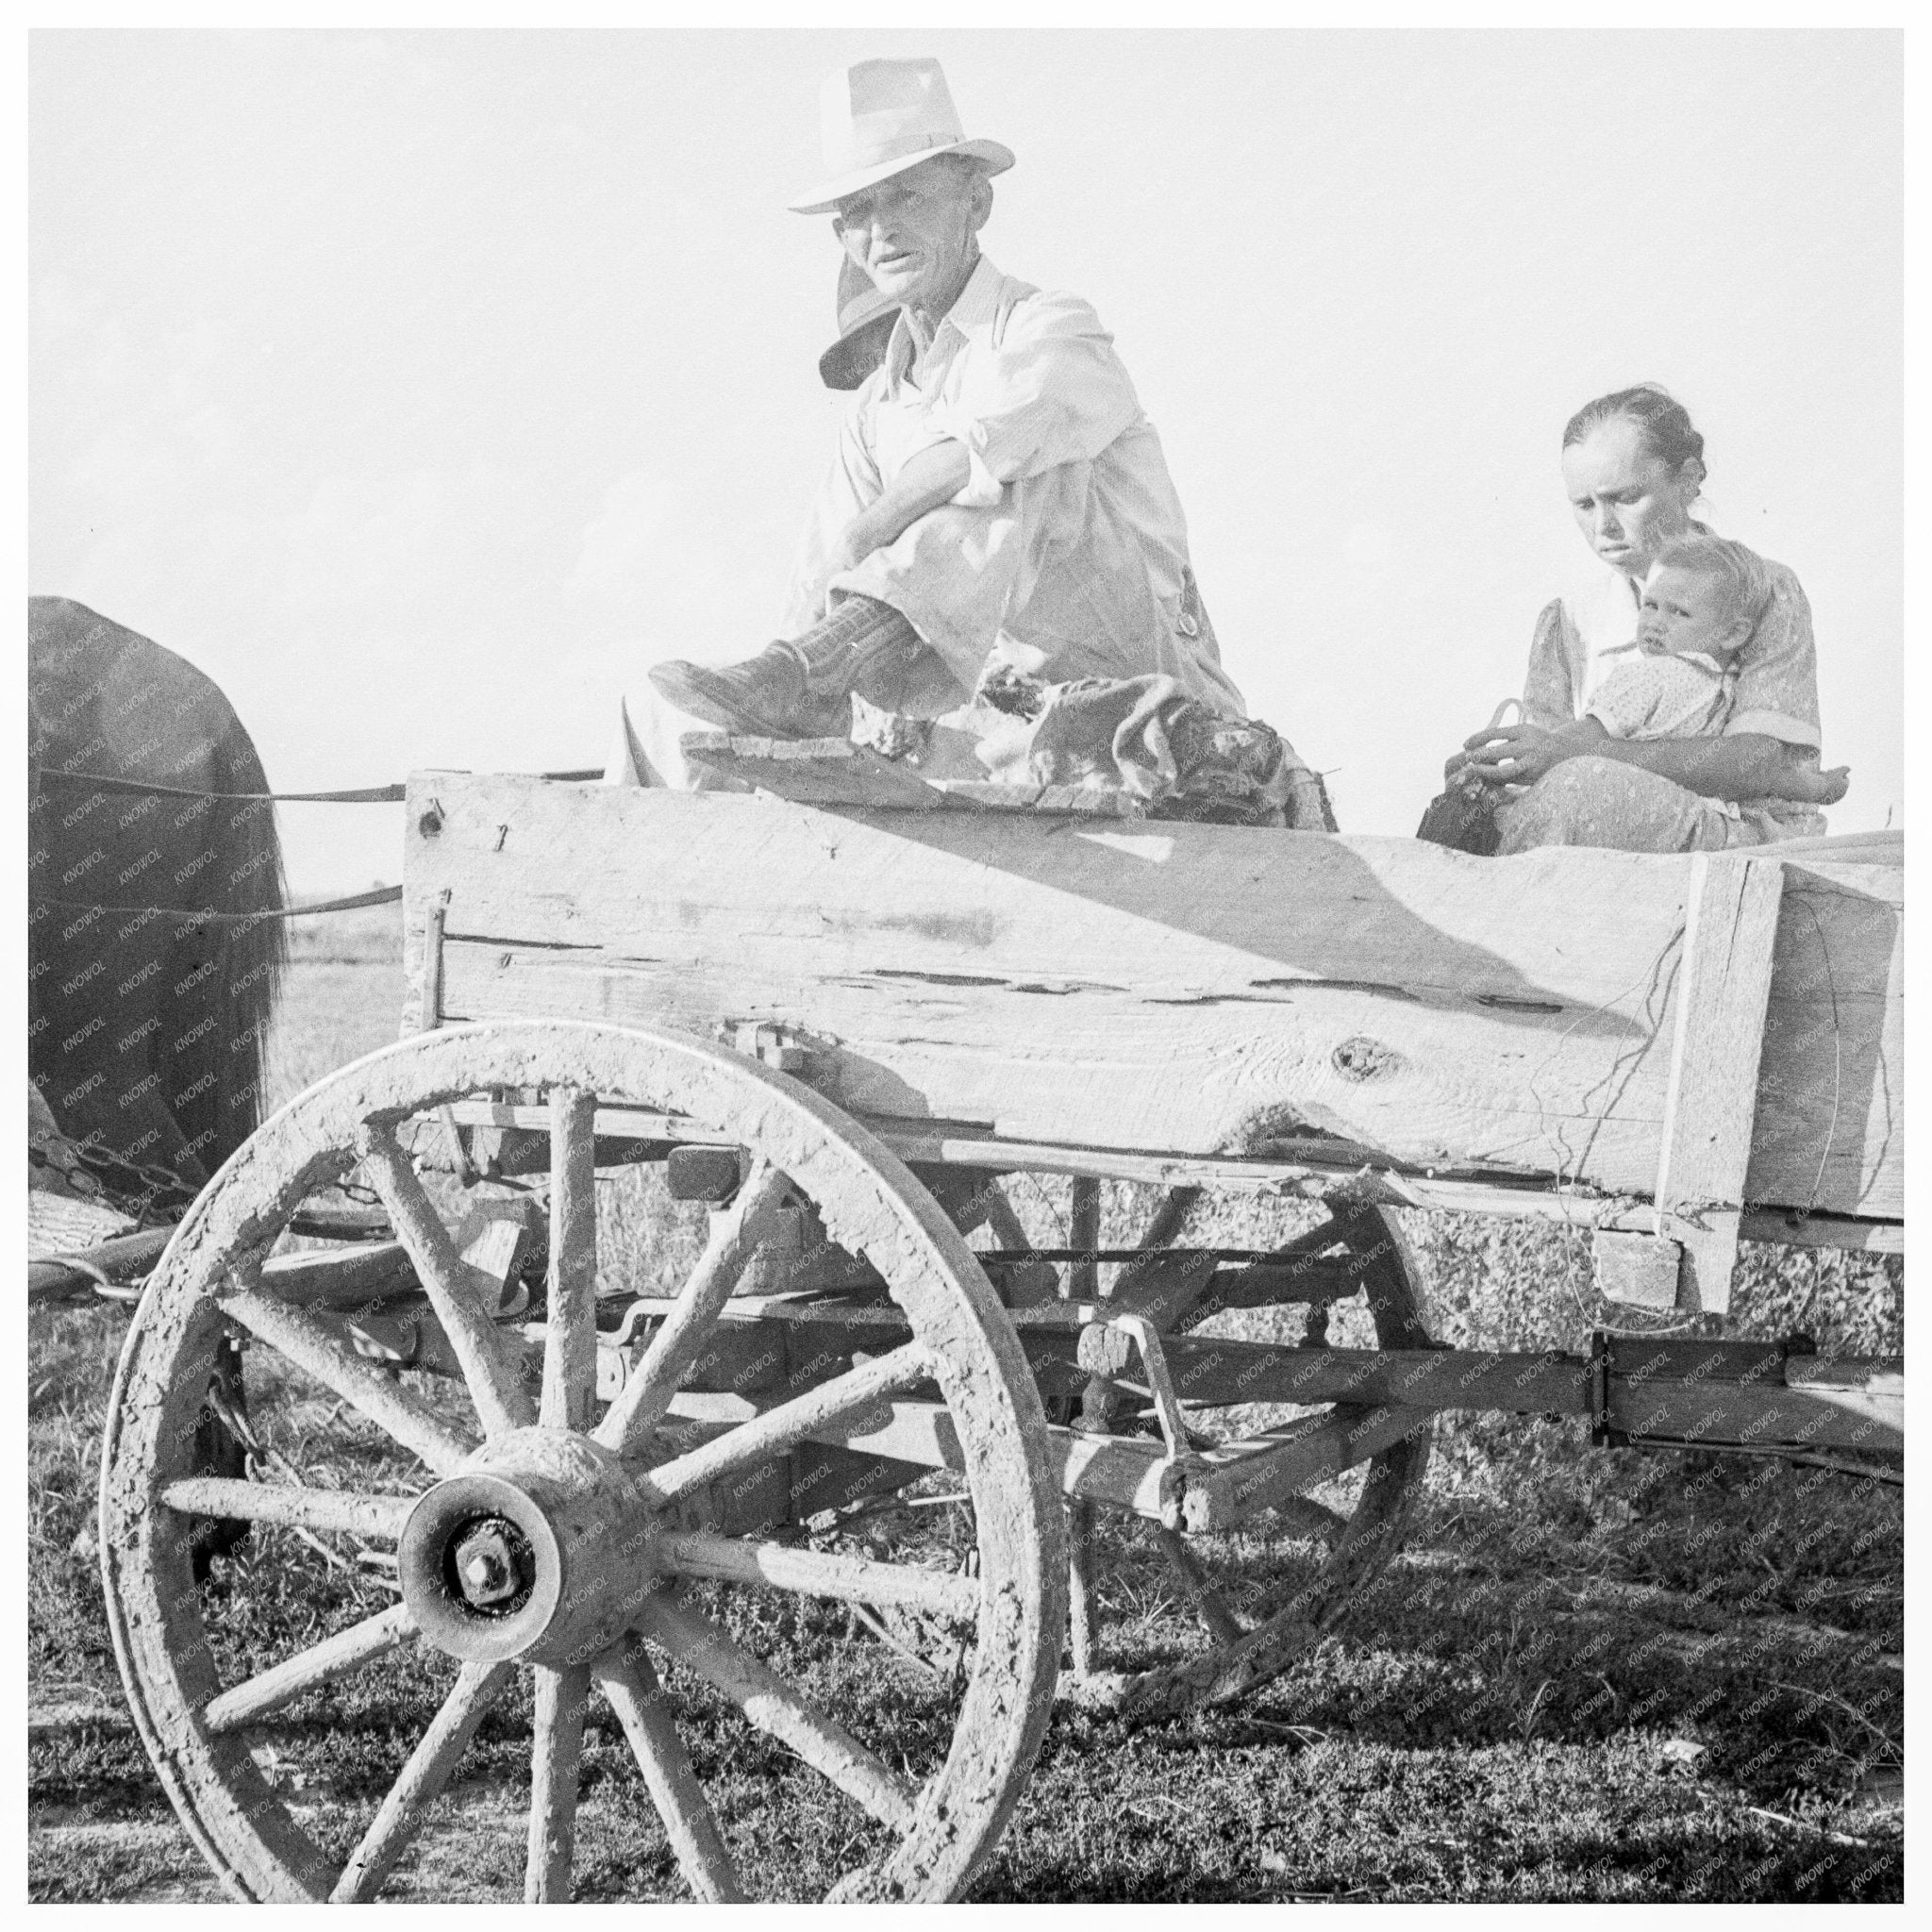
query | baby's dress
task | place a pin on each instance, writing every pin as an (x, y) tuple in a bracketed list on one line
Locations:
[(1688, 696)]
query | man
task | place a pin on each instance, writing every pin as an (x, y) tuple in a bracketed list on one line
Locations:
[(998, 497)]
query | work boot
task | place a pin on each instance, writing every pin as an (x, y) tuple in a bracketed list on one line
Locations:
[(762, 697), (795, 689)]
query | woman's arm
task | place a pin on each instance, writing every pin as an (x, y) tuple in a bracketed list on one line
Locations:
[(1743, 765)]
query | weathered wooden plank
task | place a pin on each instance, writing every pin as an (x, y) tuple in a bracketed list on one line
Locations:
[(937, 1142), (1105, 1076), (1830, 1125), (1722, 1388), (834, 771), (119, 1256), (61, 1225), (1868, 1416), (1730, 923), (1722, 1394), (1264, 1471), (815, 771), (344, 1277), (1042, 979), (1047, 979), (1789, 1227)]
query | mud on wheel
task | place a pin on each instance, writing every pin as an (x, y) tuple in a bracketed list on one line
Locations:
[(556, 1554)]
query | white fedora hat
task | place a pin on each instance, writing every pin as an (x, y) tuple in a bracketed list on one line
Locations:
[(881, 117)]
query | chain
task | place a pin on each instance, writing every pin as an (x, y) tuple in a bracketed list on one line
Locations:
[(137, 1188), (261, 1458)]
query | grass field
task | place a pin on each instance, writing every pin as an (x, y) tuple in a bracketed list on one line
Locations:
[(1587, 1675)]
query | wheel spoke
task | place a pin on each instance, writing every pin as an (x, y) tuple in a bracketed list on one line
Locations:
[(1164, 1230), (319, 1351), (772, 1703), (820, 1410), (400, 1817), (495, 1376), (335, 1656), (1083, 1232), (556, 1758), (1215, 1616), (318, 1510), (1083, 1597), (1325, 1234), (627, 1678), (812, 1573), (676, 1345), (570, 1349)]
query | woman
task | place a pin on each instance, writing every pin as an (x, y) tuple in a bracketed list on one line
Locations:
[(1633, 466)]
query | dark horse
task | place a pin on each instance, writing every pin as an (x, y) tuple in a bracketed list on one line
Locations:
[(147, 1028)]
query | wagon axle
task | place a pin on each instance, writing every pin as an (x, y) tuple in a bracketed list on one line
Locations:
[(493, 1564)]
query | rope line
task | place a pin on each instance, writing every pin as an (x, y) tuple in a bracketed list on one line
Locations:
[(382, 895), (368, 795)]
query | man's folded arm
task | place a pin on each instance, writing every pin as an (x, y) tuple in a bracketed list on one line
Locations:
[(935, 475), (1053, 392)]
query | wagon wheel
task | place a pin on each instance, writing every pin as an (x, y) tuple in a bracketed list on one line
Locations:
[(531, 1538), (1237, 1654)]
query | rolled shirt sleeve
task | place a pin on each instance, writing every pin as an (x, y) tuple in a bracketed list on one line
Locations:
[(1778, 671), (1054, 393)]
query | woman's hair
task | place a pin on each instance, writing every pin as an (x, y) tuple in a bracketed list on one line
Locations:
[(1743, 575), (1662, 419)]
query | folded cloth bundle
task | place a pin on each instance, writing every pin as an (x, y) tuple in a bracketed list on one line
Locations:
[(1146, 739)]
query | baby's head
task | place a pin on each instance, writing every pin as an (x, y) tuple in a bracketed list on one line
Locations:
[(1703, 593)]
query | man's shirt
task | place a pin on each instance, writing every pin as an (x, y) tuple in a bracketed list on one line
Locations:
[(1066, 551)]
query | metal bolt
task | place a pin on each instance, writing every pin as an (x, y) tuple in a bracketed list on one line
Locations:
[(486, 1566)]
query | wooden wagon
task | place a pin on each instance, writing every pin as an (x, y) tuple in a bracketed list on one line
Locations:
[(846, 1027)]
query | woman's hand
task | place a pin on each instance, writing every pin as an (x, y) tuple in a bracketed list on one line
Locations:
[(1522, 754)]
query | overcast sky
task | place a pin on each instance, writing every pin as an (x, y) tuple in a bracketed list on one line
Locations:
[(423, 389)]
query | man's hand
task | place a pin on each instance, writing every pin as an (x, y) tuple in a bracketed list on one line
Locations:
[(933, 477)]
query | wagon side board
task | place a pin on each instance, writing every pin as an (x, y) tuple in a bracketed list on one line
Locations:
[(1212, 990)]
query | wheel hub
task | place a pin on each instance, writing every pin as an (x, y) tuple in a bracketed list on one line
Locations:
[(541, 1548)]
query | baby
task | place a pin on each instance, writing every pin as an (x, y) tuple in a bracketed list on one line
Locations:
[(1700, 603)]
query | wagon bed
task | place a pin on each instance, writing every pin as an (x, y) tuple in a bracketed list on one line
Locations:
[(1584, 1033)]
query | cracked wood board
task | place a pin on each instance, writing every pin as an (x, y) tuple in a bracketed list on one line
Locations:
[(1830, 1120), (1730, 924), (1190, 988), (812, 771), (835, 771)]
